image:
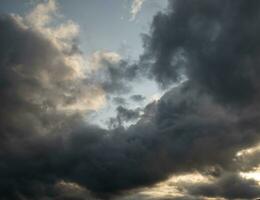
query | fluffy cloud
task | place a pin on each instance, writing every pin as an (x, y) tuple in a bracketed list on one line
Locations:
[(125, 115), (43, 92)]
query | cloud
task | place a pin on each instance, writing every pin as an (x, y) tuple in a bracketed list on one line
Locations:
[(229, 186), (137, 98), (120, 101), (125, 115), (42, 87), (112, 73), (183, 132), (42, 14), (195, 39), (49, 150), (135, 8)]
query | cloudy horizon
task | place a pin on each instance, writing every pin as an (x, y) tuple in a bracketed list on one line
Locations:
[(129, 100)]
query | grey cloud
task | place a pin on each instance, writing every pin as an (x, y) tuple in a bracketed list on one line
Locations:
[(119, 100), (192, 127), (127, 114), (229, 186), (168, 140), (137, 98), (124, 115), (184, 131), (214, 43), (115, 77), (36, 84)]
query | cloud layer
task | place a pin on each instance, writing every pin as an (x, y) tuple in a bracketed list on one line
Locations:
[(48, 150)]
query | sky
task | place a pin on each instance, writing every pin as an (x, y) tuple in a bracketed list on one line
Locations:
[(129, 100)]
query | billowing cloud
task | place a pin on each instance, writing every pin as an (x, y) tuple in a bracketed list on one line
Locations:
[(49, 151), (216, 54)]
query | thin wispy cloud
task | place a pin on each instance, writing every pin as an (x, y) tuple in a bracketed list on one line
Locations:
[(135, 8)]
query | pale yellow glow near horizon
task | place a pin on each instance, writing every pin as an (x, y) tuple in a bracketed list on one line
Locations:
[(169, 188), (248, 151), (245, 153), (255, 175)]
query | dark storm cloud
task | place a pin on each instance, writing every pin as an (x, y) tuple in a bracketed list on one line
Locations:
[(214, 43), (188, 129), (184, 131), (229, 186), (137, 98)]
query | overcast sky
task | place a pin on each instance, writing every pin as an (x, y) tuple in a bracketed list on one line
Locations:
[(129, 99)]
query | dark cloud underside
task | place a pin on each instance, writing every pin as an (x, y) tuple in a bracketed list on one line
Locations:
[(230, 186)]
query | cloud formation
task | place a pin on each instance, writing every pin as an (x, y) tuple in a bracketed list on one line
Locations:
[(49, 151), (229, 186), (113, 73), (213, 44)]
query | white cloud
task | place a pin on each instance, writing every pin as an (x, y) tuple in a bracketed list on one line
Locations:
[(42, 14), (136, 7)]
